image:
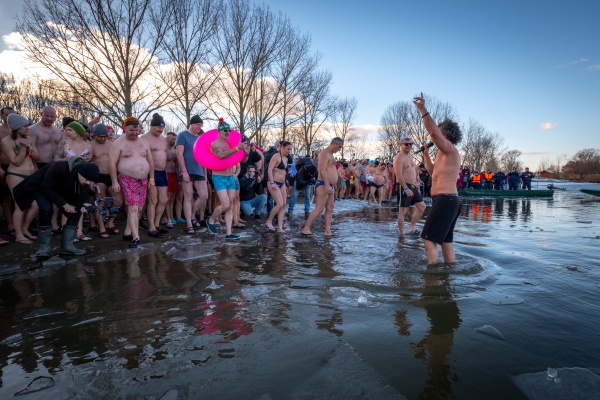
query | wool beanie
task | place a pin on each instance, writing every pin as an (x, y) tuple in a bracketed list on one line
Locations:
[(130, 121), (196, 120), (16, 121), (157, 120), (222, 125), (66, 121), (77, 127), (100, 130)]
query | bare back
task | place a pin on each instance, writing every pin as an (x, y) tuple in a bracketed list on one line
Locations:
[(443, 178)]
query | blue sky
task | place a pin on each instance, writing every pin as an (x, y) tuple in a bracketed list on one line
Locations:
[(512, 65)]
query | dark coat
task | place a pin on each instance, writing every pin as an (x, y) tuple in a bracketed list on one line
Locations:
[(49, 181), (249, 188)]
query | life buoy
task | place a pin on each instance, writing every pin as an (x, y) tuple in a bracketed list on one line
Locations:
[(203, 155)]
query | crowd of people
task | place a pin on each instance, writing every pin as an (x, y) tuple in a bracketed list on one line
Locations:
[(63, 179), (487, 180)]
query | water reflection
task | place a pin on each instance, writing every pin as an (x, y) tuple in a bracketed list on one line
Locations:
[(436, 346), (484, 209)]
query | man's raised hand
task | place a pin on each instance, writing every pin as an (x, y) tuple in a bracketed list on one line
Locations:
[(419, 101)]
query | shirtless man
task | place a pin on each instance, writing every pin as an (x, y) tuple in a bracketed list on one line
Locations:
[(356, 170), (325, 187), (173, 183), (130, 157), (158, 196), (100, 156), (8, 204), (446, 205), (341, 181), (410, 194), (224, 182), (45, 136), (376, 179)]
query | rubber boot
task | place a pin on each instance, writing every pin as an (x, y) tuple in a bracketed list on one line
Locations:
[(67, 248), (44, 234)]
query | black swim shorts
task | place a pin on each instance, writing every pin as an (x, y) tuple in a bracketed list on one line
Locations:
[(160, 179), (105, 179), (441, 219), (407, 201)]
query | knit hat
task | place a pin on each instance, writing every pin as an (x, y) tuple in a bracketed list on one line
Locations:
[(131, 121), (100, 130), (77, 127), (157, 120), (66, 121), (16, 121), (196, 120), (89, 171), (110, 128), (222, 125)]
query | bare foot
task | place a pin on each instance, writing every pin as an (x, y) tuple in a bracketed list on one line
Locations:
[(328, 233), (306, 233), (280, 231)]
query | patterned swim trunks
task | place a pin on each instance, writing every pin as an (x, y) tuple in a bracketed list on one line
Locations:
[(134, 190)]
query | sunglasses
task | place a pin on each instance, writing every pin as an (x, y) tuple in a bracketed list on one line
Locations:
[(407, 144), (226, 130)]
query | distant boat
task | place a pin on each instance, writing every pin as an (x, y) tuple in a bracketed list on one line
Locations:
[(505, 193), (591, 191)]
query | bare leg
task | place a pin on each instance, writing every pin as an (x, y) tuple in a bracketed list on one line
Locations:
[(281, 212), (133, 221), (381, 193), (431, 251), (448, 253), (118, 202), (18, 220), (169, 209), (224, 207), (188, 193), (151, 209), (419, 208), (279, 200), (328, 215), (163, 197), (401, 214), (179, 203), (322, 199), (200, 203)]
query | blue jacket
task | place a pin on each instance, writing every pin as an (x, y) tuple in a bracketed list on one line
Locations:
[(513, 176)]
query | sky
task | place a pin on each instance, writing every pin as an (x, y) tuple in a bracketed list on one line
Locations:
[(527, 69)]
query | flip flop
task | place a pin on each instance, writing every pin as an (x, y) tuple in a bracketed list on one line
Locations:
[(26, 241), (112, 229), (103, 234), (271, 229), (307, 234)]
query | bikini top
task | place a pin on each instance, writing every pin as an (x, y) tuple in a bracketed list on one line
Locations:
[(281, 164), (17, 150)]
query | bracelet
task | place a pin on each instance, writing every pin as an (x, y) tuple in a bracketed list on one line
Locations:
[(151, 179), (423, 116), (236, 148)]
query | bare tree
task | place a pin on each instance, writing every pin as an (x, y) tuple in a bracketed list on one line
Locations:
[(403, 119), (317, 106), (190, 70), (584, 162), (546, 164), (511, 159), (104, 51), (248, 41), (480, 148), (343, 118)]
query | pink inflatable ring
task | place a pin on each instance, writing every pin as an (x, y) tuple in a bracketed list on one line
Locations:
[(208, 160)]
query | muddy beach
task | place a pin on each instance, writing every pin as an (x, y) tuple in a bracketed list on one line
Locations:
[(359, 315)]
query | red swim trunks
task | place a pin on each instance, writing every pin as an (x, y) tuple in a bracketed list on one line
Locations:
[(134, 190), (173, 184)]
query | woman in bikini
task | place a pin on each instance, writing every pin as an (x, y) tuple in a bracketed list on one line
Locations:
[(276, 185), (22, 156), (74, 146)]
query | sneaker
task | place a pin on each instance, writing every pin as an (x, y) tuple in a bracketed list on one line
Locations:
[(81, 238), (142, 225), (257, 216), (173, 221), (212, 228), (413, 232), (3, 241), (232, 237), (155, 234), (181, 221)]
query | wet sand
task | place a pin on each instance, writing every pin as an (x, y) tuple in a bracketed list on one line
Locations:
[(275, 316)]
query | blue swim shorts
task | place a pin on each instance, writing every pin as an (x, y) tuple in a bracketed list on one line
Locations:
[(223, 182)]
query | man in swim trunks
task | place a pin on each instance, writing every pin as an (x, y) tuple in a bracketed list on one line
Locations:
[(173, 182), (410, 193), (445, 202), (157, 195), (192, 174), (46, 137), (325, 187), (100, 156), (376, 183), (224, 181), (8, 204), (341, 181), (131, 158)]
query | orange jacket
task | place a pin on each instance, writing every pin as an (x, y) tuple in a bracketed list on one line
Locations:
[(476, 179), (489, 177)]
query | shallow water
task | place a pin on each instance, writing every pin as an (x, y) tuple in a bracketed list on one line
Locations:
[(282, 316)]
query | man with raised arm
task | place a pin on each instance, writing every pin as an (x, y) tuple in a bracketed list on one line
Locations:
[(410, 194), (325, 187), (446, 205), (131, 159), (157, 195)]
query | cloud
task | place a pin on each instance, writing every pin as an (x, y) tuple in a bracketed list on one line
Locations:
[(548, 125), (581, 60), (595, 67), (536, 153)]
